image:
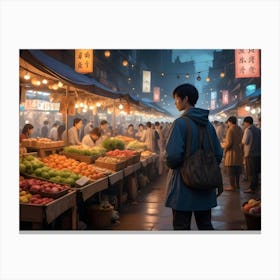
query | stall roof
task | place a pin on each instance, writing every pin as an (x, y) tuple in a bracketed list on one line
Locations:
[(49, 65)]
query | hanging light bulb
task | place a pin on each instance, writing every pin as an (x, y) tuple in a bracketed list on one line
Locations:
[(222, 74), (107, 53), (27, 76), (44, 81), (121, 106), (76, 106), (187, 76), (125, 63), (84, 110), (60, 84), (98, 104), (81, 104), (247, 108), (91, 107), (208, 79), (162, 74)]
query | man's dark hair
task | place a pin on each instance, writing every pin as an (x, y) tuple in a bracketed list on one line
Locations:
[(248, 120), (232, 119), (96, 131), (76, 120), (156, 123), (149, 124), (186, 90), (103, 122)]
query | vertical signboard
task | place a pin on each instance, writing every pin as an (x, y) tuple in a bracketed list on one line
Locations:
[(156, 94), (225, 97), (84, 61), (247, 63), (146, 86)]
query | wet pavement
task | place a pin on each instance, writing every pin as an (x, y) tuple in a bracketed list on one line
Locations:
[(148, 213)]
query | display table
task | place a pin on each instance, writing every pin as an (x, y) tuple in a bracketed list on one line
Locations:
[(43, 152), (39, 215), (91, 189)]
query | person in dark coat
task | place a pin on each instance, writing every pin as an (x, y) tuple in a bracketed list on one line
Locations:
[(183, 200)]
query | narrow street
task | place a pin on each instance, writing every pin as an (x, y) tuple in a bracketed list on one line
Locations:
[(148, 213)]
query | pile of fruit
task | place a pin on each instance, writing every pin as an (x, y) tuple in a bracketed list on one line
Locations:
[(124, 138), (80, 150), (31, 165), (252, 206), (109, 159), (113, 143), (121, 153), (65, 165), (136, 145), (146, 154), (41, 142)]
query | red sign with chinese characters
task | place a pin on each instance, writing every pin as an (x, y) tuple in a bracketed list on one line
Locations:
[(84, 61), (247, 63)]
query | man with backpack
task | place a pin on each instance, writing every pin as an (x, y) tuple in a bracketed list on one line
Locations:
[(185, 132)]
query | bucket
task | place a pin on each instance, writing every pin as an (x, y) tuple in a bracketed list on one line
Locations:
[(99, 218)]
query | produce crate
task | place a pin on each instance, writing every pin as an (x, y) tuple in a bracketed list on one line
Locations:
[(83, 158), (112, 166), (253, 221), (136, 158)]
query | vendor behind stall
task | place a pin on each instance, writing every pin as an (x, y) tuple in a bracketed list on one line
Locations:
[(92, 138), (73, 133), (26, 131)]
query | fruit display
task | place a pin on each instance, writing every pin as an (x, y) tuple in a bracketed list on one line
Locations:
[(121, 153), (37, 186), (146, 154), (136, 145), (252, 206), (108, 159), (65, 165), (41, 143), (112, 163), (113, 143), (80, 150), (30, 165), (124, 138), (24, 196)]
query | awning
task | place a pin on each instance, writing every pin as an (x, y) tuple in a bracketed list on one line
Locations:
[(49, 65)]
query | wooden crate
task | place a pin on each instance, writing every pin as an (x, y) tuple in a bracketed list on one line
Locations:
[(112, 166), (83, 158)]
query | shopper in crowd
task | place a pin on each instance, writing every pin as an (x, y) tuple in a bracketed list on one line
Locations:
[(45, 129), (26, 131), (149, 137), (140, 132), (130, 132), (73, 133), (160, 147), (88, 128), (183, 200), (105, 132), (60, 131), (233, 153), (221, 131), (53, 132), (92, 138), (252, 153)]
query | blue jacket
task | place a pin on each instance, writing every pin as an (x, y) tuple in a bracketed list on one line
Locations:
[(179, 197)]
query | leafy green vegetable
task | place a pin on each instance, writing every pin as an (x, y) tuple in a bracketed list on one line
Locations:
[(111, 144)]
